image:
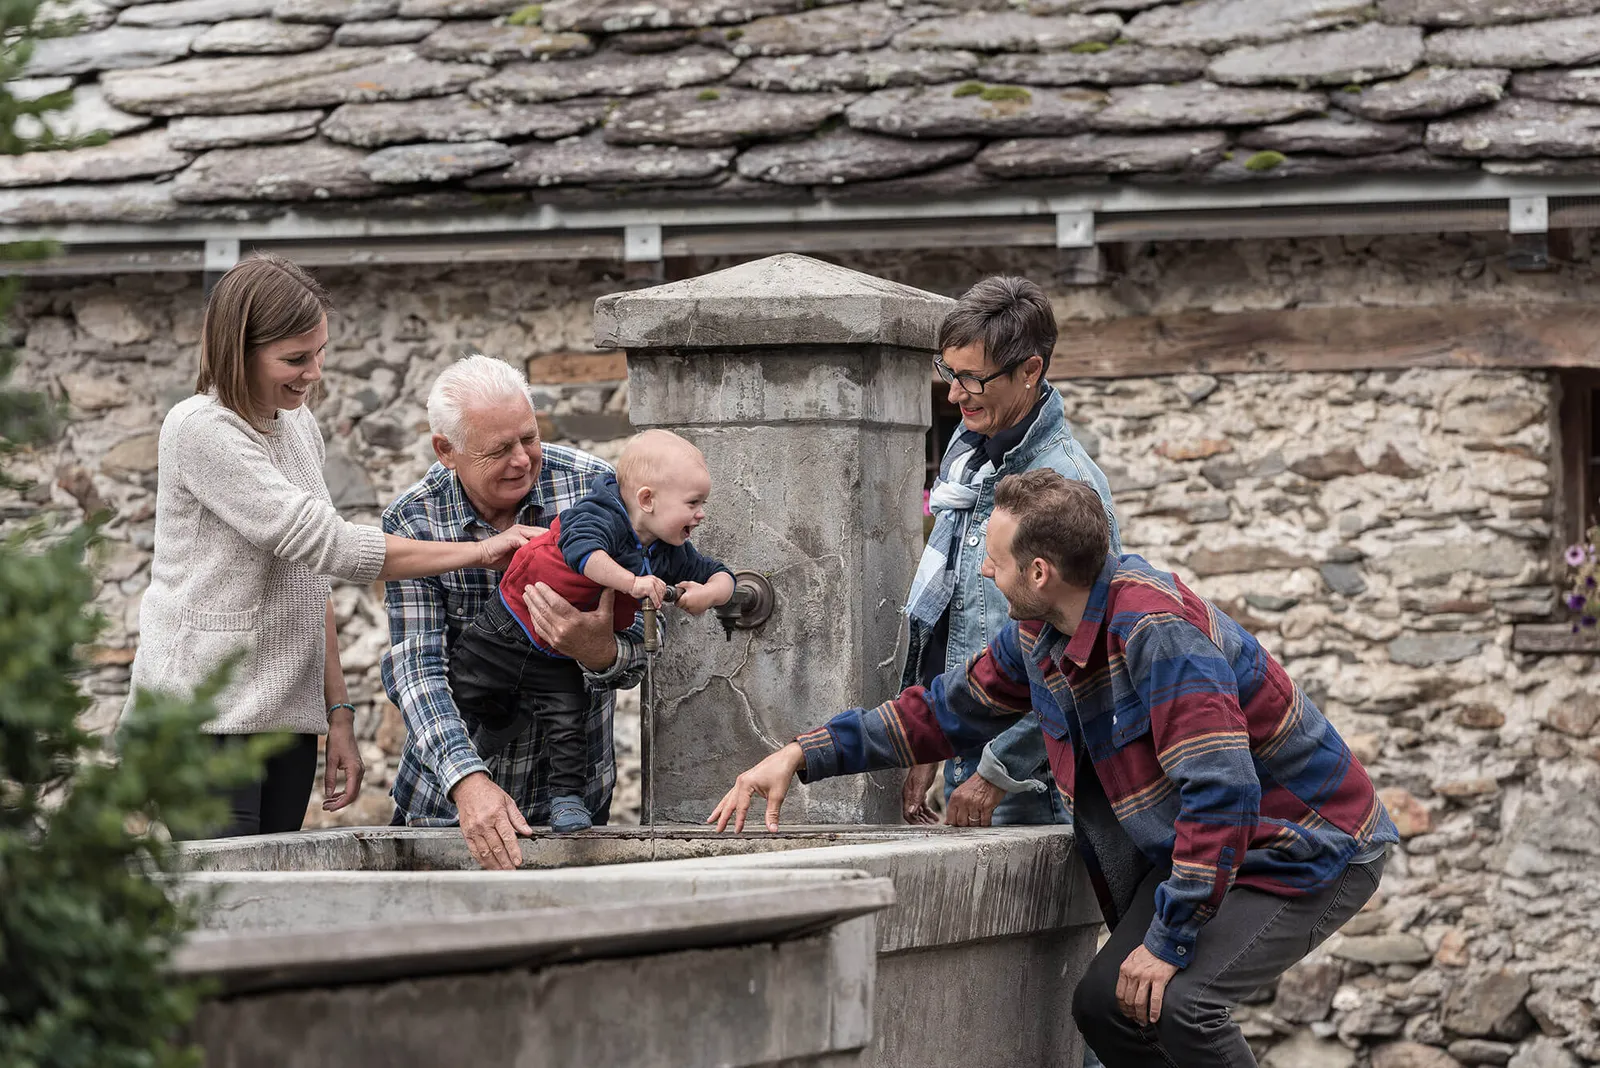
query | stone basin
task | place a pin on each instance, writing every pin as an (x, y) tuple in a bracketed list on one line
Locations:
[(966, 946)]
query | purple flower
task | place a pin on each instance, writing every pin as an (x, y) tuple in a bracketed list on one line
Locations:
[(1576, 601), (1587, 621), (1576, 555), (1589, 582)]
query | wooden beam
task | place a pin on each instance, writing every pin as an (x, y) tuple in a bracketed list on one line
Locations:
[(1554, 638), (571, 368), (1332, 339)]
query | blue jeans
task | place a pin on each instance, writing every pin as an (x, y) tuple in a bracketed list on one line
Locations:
[(1028, 808)]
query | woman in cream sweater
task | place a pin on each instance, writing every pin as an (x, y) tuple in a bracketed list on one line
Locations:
[(247, 539)]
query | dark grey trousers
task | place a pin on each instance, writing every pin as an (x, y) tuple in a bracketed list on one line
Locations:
[(1253, 939)]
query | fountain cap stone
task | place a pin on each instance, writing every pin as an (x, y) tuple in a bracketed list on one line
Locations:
[(785, 299)]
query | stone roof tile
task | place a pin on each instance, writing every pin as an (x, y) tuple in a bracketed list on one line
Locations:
[(315, 79), (974, 109), (1215, 25), (384, 32), (191, 12), (495, 42), (1338, 135), (1425, 94), (1158, 107), (1118, 65), (1438, 13), (199, 133), (470, 102), (1094, 153), (616, 16), (847, 155), (591, 160), (334, 11), (1556, 43), (879, 69), (141, 155), (115, 48), (457, 118), (1245, 167), (1577, 86), (1519, 129), (605, 74), (818, 32), (705, 118), (1010, 32), (1338, 57), (457, 9), (435, 162), (317, 170), (261, 37)]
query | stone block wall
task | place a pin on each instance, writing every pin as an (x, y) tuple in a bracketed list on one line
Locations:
[(1380, 531)]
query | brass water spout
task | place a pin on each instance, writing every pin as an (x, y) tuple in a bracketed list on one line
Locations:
[(652, 631)]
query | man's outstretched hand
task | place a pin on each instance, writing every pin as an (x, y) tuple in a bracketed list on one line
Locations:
[(770, 779)]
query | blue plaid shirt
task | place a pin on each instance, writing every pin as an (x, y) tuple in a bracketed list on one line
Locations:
[(426, 615)]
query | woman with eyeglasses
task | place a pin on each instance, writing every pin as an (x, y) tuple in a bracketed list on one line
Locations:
[(995, 348)]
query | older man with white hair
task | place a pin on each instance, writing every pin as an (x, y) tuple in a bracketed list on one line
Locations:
[(492, 472)]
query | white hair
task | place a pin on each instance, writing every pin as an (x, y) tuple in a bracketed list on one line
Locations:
[(473, 380)]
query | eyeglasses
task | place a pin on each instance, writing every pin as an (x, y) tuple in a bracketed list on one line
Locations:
[(970, 382)]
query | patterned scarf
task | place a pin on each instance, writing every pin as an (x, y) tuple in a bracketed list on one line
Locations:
[(954, 494)]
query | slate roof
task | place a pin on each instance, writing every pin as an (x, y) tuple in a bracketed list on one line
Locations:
[(243, 109)]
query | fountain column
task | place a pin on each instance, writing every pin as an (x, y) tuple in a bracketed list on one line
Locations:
[(807, 386)]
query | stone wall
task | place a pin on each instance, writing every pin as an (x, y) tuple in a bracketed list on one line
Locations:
[(1381, 532)]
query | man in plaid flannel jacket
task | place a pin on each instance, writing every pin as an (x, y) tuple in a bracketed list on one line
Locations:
[(493, 471), (1225, 824)]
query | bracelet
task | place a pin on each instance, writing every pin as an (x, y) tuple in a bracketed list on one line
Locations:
[(334, 708)]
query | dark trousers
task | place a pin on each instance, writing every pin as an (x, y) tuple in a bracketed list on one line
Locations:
[(1253, 939), (277, 801), (501, 682)]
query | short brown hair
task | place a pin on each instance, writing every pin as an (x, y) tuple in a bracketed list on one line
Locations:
[(258, 301), (1010, 315), (1059, 519)]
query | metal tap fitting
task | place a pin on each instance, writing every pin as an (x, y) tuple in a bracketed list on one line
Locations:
[(750, 604), (652, 631)]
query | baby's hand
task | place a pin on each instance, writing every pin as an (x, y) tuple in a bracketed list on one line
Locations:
[(694, 598), (648, 588)]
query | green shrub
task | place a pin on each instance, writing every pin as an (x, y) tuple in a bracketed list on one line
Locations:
[(85, 931)]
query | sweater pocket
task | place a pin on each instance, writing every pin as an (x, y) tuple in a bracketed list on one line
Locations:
[(207, 620), (205, 640)]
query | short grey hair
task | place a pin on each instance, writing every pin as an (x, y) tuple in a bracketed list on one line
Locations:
[(1009, 314), (473, 380)]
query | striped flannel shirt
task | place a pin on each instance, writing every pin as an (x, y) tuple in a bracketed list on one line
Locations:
[(1211, 758), (426, 615)]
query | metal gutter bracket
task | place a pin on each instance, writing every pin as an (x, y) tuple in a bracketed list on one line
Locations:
[(221, 253), (1529, 225), (1082, 261), (641, 253)]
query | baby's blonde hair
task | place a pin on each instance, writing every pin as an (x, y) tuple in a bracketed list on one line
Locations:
[(651, 456)]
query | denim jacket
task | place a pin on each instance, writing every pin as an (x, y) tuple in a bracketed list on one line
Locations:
[(1015, 760)]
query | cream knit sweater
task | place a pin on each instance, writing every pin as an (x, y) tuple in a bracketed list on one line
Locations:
[(246, 537)]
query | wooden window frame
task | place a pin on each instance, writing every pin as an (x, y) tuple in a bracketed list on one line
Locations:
[(1576, 487)]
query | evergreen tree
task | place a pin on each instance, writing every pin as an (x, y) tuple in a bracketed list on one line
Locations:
[(85, 928)]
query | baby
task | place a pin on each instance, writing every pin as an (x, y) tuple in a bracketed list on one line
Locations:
[(630, 533)]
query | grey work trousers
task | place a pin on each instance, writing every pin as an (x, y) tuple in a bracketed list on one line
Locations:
[(1253, 939)]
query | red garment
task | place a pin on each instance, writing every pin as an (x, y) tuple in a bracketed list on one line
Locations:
[(541, 561)]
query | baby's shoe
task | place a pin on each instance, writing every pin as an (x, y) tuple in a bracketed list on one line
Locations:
[(568, 814)]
